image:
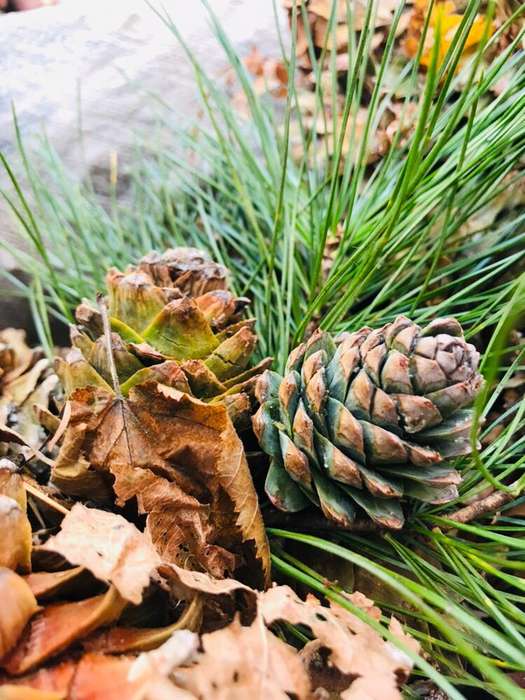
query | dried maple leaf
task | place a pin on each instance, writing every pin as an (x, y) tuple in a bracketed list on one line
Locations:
[(18, 606), (109, 546), (184, 463)]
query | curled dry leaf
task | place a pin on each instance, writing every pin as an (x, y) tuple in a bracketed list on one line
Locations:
[(179, 649), (186, 584), (46, 584), (183, 462), (15, 544), (18, 605), (219, 602), (15, 355), (58, 626), (26, 381), (270, 75), (345, 657), (58, 678), (98, 676), (109, 546), (11, 483), (121, 640)]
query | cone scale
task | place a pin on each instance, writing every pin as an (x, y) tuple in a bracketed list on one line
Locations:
[(368, 420)]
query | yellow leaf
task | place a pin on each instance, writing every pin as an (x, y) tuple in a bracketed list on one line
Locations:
[(443, 20)]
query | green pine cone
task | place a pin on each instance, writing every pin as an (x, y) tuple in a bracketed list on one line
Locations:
[(368, 419), (172, 313)]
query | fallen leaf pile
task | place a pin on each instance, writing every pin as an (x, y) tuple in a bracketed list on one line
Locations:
[(182, 461), (144, 423), (330, 38), (101, 615), (28, 388)]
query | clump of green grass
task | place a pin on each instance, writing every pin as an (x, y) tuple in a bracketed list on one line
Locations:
[(409, 245)]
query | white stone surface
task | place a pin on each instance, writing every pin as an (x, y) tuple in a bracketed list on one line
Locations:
[(109, 57)]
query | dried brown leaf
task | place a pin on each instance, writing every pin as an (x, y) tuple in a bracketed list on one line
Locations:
[(18, 606), (58, 626), (179, 649), (356, 650), (186, 583), (18, 390), (358, 8), (336, 38), (11, 483), (121, 640), (15, 355), (109, 546), (238, 662), (99, 676), (25, 380), (46, 584), (72, 473), (184, 463), (26, 417), (16, 542), (254, 61)]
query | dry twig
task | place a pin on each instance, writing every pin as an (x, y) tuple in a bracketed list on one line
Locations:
[(485, 505)]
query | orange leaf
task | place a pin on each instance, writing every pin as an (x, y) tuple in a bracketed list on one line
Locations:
[(100, 677), (18, 606), (60, 624), (19, 692), (445, 19), (55, 679)]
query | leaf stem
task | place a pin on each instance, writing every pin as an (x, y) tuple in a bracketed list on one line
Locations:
[(107, 339)]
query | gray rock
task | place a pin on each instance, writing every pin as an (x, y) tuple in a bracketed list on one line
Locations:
[(108, 58)]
